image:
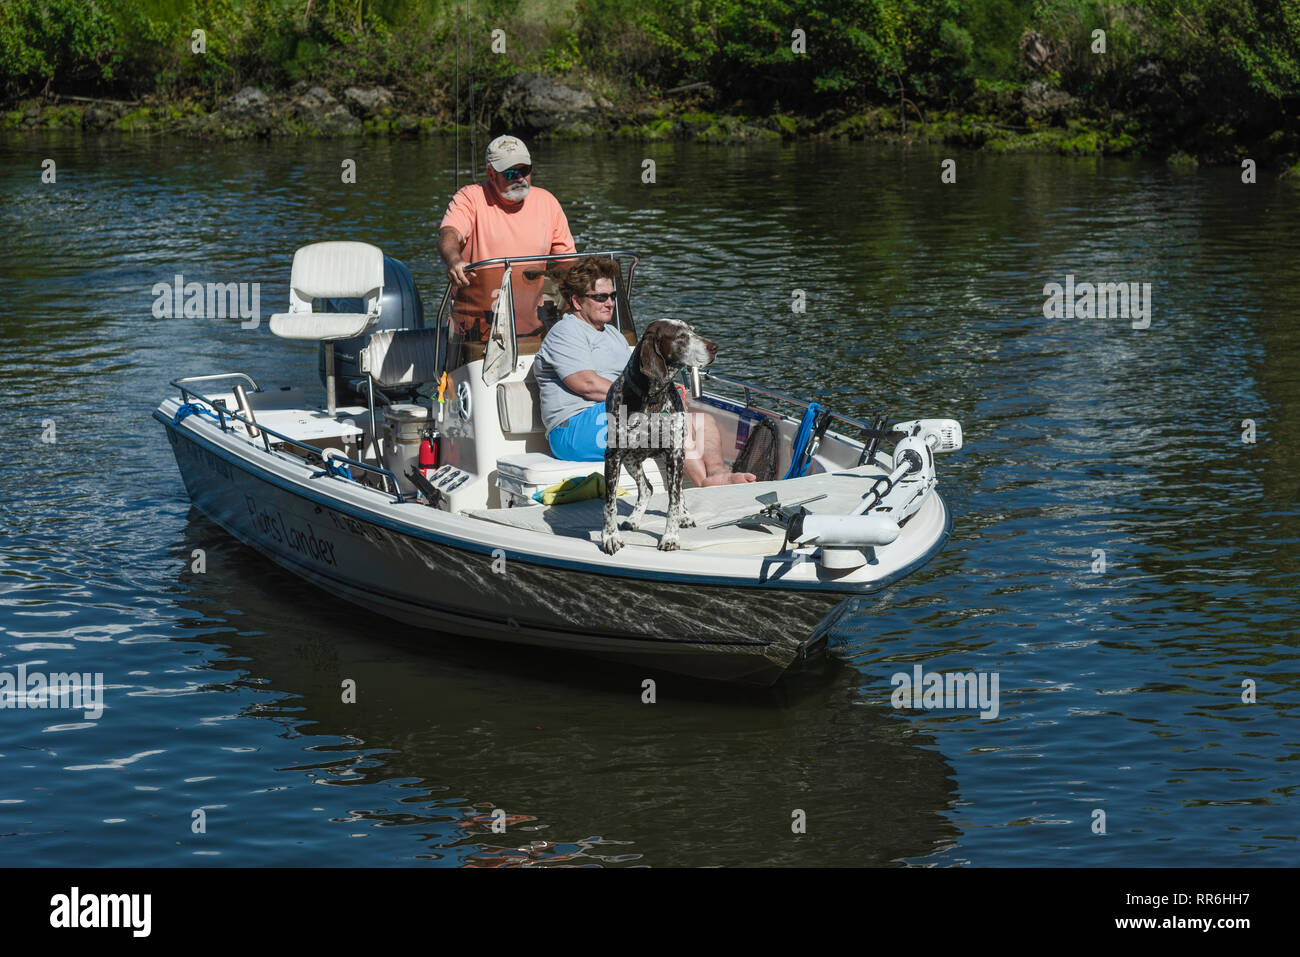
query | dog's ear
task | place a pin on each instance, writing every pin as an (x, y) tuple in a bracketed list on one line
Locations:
[(649, 357)]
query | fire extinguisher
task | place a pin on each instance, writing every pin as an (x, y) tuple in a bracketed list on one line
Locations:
[(428, 455), (428, 460)]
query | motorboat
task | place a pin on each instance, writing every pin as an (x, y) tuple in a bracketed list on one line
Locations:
[(340, 490)]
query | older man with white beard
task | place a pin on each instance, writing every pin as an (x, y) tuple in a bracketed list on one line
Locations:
[(505, 215)]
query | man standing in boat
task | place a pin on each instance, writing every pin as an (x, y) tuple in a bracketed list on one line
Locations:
[(505, 215)]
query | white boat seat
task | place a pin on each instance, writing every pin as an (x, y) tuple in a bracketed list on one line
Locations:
[(321, 325), (542, 470), (333, 270), (400, 358)]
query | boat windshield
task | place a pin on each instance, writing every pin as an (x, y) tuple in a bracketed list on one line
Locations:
[(534, 304)]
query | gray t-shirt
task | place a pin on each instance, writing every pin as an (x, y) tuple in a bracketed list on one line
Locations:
[(571, 346)]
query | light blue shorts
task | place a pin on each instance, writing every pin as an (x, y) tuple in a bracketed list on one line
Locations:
[(578, 439)]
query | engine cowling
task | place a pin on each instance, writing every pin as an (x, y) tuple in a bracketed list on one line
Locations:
[(400, 307)]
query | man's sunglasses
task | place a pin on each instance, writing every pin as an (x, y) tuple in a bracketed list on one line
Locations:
[(514, 174), (599, 296)]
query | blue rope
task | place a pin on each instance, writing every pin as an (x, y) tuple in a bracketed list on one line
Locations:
[(189, 408), (342, 470), (798, 465)]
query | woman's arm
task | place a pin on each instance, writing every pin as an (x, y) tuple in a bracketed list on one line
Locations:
[(588, 384)]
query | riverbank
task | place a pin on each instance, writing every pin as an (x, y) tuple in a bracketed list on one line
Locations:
[(1204, 82), (1033, 118)]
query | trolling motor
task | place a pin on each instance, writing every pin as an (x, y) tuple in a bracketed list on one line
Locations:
[(887, 504)]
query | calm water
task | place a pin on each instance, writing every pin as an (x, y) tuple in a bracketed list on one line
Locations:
[(1120, 691)]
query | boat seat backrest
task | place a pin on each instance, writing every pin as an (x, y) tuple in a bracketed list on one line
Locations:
[(400, 358), (342, 270), (519, 405)]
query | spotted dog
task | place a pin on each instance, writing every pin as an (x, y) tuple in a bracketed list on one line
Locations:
[(636, 425)]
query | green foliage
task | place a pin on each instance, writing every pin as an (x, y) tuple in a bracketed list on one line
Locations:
[(41, 40), (563, 53), (1195, 71), (955, 44), (136, 120), (995, 27)]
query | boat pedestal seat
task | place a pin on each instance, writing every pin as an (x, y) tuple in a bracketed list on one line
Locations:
[(522, 473)]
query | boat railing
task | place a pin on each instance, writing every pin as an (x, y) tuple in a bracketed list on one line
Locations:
[(550, 257), (872, 433), (256, 428), (508, 261)]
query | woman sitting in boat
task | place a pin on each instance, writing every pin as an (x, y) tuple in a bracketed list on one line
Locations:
[(579, 360)]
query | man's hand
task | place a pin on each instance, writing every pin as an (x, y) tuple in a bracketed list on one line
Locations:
[(449, 245), (458, 275)]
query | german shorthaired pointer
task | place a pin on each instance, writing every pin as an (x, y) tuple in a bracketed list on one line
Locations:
[(638, 428)]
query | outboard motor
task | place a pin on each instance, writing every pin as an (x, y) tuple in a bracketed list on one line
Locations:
[(399, 308)]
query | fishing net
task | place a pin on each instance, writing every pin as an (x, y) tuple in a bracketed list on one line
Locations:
[(760, 452)]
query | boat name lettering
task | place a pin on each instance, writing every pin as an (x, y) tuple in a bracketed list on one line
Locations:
[(306, 542), (346, 523)]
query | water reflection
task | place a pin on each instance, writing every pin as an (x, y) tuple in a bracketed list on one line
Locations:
[(702, 777)]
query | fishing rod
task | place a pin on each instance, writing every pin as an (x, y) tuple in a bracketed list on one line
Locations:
[(455, 113)]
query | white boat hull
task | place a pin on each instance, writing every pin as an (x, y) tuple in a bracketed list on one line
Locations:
[(743, 619)]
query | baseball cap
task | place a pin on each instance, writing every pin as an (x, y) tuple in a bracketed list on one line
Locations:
[(507, 151)]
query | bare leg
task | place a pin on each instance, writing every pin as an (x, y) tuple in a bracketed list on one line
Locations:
[(704, 459)]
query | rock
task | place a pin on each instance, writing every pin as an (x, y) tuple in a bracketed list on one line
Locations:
[(98, 116), (249, 98), (319, 112), (538, 103), (1040, 101), (249, 112), (370, 103)]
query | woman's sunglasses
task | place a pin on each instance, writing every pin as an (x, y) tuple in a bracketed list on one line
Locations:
[(599, 296)]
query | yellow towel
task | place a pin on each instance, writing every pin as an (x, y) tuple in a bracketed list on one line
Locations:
[(576, 489)]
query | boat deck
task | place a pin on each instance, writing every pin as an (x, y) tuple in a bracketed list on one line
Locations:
[(706, 505)]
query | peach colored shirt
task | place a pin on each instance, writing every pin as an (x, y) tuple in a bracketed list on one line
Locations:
[(492, 229)]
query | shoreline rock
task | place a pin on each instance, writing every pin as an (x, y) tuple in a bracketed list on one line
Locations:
[(1036, 118)]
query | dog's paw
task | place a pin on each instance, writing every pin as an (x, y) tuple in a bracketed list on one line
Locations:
[(610, 542), (630, 524), (686, 521), (668, 543)]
